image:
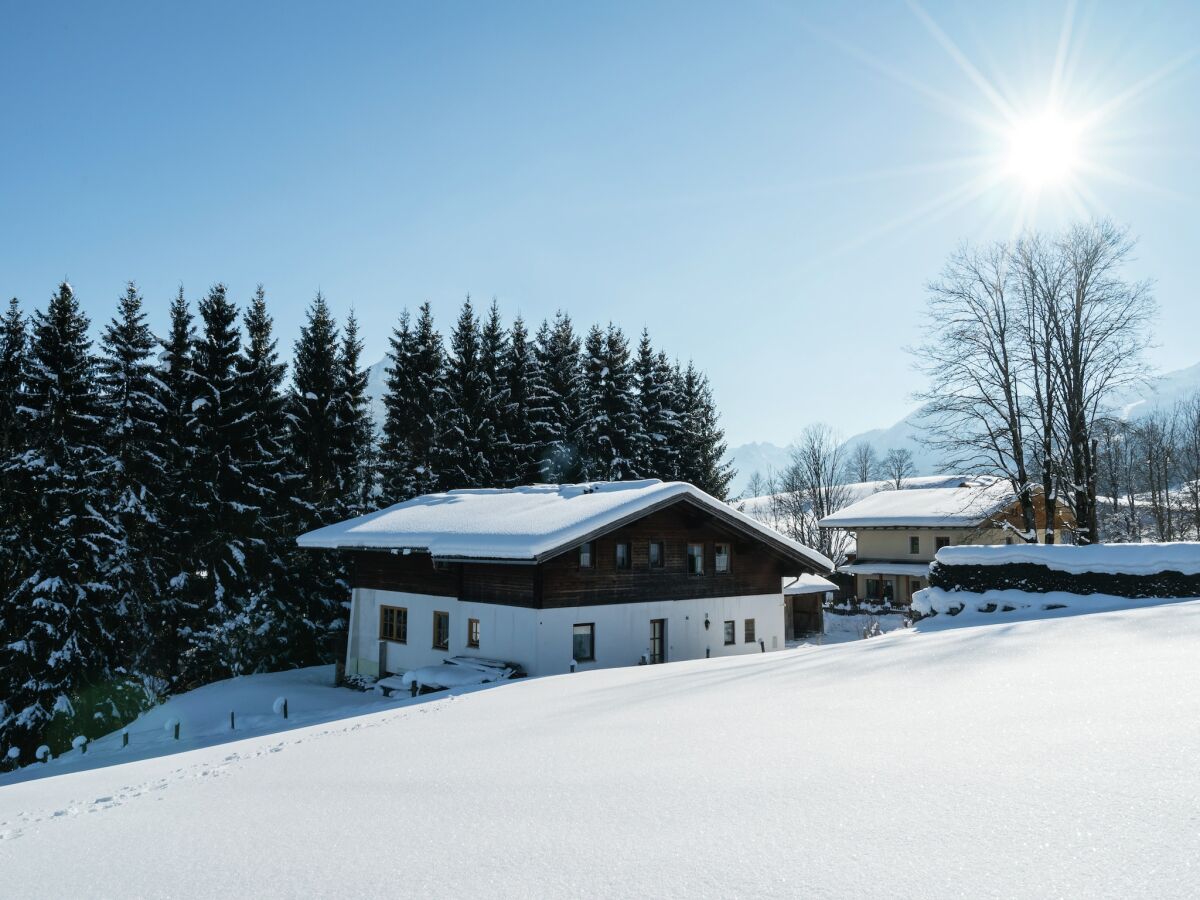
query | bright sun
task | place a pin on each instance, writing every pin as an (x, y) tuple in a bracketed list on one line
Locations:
[(1043, 151)]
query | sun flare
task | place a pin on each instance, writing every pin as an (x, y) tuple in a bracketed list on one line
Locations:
[(1043, 151)]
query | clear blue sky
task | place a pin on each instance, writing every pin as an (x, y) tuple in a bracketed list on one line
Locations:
[(766, 186)]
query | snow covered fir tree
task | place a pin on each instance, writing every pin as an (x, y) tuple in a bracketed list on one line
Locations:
[(152, 486)]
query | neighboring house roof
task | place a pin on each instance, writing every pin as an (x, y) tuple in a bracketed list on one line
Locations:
[(807, 584), (917, 570), (764, 507), (532, 523), (966, 506)]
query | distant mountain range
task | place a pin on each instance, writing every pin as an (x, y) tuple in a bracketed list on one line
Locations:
[(1162, 392)]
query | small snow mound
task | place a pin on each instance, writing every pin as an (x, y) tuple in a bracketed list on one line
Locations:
[(78, 741), (278, 705), (170, 724), (13, 752)]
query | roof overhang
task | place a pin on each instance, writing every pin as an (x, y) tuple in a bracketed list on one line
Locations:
[(802, 559)]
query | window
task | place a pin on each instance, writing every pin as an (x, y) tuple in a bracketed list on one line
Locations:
[(914, 544), (695, 559), (749, 631), (874, 589), (472, 632), (940, 542), (622, 556), (440, 565), (730, 633), (721, 563), (441, 631), (585, 555), (583, 642), (393, 624), (656, 555)]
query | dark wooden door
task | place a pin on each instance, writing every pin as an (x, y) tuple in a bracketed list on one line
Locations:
[(658, 640)]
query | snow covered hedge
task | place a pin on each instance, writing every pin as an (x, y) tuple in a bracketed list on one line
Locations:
[(1122, 570)]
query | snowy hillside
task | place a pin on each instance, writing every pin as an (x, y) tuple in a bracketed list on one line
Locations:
[(946, 761), (1162, 392)]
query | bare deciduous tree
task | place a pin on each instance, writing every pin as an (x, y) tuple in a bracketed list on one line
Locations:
[(1100, 329), (1027, 342), (897, 467), (863, 464), (757, 485), (1188, 465), (974, 408), (812, 487)]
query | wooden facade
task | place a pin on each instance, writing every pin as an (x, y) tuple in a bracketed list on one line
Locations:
[(755, 568)]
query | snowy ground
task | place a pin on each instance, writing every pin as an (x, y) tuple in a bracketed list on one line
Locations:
[(203, 717), (1044, 757)]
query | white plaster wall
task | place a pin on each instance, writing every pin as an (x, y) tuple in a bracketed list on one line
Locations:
[(541, 640), (506, 632), (893, 544), (623, 630)]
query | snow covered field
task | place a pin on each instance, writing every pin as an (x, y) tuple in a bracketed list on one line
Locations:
[(1044, 757)]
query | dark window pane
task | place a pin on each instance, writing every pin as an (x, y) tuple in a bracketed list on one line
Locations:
[(622, 556), (583, 642), (730, 633), (656, 554)]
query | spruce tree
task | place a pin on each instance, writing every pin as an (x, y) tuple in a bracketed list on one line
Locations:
[(617, 438), (133, 413), (702, 444), (315, 416), (468, 432), (13, 345), (355, 446), (656, 408), (562, 397), (395, 452), (223, 525), (258, 631), (524, 410), (415, 400), (499, 453), (592, 432), (13, 341), (58, 619), (172, 614)]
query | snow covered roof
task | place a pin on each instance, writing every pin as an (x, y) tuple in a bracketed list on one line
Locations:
[(1126, 559), (917, 570), (952, 507), (764, 506), (530, 523), (807, 584)]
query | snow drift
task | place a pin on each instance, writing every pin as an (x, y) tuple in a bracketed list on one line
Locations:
[(1053, 757)]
